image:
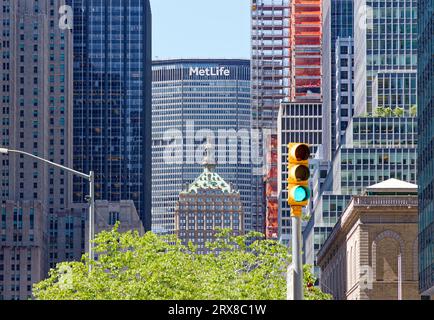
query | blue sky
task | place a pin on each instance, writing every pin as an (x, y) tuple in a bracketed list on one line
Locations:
[(201, 28)]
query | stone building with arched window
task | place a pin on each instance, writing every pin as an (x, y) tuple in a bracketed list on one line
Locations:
[(372, 252)]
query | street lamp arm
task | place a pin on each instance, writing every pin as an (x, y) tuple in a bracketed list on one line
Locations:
[(85, 176), (91, 198)]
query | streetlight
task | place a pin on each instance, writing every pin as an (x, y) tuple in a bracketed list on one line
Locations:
[(91, 198)]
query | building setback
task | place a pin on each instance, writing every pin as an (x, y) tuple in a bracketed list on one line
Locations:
[(426, 146), (192, 104), (371, 253), (112, 100), (344, 89), (373, 150), (36, 110), (337, 23)]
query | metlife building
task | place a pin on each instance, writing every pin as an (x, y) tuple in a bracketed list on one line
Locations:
[(195, 102)]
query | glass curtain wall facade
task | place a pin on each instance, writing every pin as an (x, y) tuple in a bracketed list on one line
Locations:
[(385, 40), (373, 150), (193, 101), (395, 90), (426, 146), (112, 100), (385, 45)]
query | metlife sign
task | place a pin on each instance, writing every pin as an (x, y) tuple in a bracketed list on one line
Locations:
[(210, 72)]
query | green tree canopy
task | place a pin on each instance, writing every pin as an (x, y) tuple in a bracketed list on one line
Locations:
[(388, 112), (380, 112), (151, 267), (413, 111), (399, 112)]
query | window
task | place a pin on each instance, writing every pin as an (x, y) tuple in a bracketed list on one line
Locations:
[(344, 74), (344, 100), (344, 87), (113, 218)]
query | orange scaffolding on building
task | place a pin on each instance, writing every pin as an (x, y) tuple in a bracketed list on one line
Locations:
[(272, 213), (305, 47), (286, 65)]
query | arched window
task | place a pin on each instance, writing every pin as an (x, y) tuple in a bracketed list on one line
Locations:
[(387, 260), (386, 249)]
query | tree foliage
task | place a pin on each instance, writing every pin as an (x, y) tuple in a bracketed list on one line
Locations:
[(151, 267), (413, 111), (399, 112)]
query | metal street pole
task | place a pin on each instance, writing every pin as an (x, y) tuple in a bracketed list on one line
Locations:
[(91, 199), (91, 216), (295, 283)]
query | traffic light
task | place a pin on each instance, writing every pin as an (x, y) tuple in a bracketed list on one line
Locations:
[(298, 174)]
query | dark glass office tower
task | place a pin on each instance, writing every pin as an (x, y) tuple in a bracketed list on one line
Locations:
[(426, 146), (112, 100)]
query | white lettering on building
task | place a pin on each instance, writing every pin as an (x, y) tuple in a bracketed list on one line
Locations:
[(217, 72)]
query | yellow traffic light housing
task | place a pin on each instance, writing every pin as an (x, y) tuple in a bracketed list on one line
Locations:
[(298, 174)]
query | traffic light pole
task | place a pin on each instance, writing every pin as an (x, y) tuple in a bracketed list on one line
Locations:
[(298, 197), (295, 283)]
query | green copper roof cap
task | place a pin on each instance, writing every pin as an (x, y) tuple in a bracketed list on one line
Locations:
[(209, 180)]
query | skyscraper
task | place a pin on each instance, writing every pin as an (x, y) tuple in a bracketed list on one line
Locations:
[(208, 203), (270, 85), (337, 20), (305, 50), (385, 41), (195, 100), (270, 59), (286, 67), (297, 122), (343, 101), (112, 100), (425, 152), (373, 148), (36, 109)]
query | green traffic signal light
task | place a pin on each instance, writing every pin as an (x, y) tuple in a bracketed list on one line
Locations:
[(300, 194)]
